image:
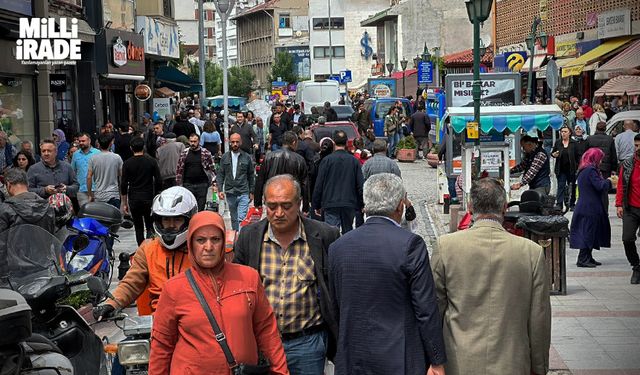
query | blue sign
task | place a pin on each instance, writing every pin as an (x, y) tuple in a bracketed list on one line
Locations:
[(425, 72), (279, 84), (334, 78), (345, 77)]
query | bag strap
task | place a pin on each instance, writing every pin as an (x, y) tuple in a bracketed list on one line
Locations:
[(220, 337)]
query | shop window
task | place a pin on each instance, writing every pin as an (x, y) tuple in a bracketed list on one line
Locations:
[(17, 114)]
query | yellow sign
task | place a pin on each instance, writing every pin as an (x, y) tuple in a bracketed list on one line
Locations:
[(566, 49), (573, 70), (515, 62), (472, 130), (544, 9)]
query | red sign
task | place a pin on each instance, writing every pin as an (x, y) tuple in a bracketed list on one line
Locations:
[(119, 53)]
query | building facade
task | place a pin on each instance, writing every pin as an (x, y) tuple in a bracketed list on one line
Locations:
[(186, 17)]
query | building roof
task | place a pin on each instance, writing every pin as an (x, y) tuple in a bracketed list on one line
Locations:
[(379, 18), (267, 5), (465, 58)]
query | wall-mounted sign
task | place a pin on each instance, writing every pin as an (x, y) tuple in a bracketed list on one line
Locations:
[(160, 38), (425, 72), (57, 82), (301, 59), (566, 49), (119, 53), (161, 106), (497, 89), (614, 23), (142, 92), (382, 87), (515, 60)]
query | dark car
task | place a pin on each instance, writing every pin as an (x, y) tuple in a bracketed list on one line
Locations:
[(344, 112), (327, 129)]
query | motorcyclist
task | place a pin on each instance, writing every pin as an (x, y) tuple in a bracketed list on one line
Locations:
[(22, 206), (159, 259)]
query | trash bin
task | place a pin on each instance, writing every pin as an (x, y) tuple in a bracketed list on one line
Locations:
[(551, 233)]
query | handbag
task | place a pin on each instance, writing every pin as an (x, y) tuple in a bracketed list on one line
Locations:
[(262, 368)]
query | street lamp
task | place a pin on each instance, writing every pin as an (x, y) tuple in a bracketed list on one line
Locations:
[(426, 56), (483, 49), (390, 68), (478, 12), (416, 61), (403, 65), (224, 7), (531, 44)]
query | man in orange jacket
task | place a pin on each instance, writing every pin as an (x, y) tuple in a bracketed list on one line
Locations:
[(157, 260)]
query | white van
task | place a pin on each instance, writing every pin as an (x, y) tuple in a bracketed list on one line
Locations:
[(316, 93)]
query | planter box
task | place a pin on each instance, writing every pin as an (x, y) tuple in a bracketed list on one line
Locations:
[(406, 155), (432, 160)]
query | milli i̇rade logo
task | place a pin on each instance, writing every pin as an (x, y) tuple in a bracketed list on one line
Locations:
[(41, 44)]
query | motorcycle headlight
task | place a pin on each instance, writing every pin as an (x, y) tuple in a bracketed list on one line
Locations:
[(79, 262), (135, 352)]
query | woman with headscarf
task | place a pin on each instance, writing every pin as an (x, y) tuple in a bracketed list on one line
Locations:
[(183, 341), (61, 143), (590, 227)]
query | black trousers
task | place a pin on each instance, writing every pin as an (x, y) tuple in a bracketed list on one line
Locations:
[(199, 191), (630, 224), (141, 215)]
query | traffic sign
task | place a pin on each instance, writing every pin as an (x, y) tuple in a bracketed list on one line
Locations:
[(425, 72), (345, 76)]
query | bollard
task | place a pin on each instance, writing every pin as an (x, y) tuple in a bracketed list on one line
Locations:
[(454, 217), (124, 265), (447, 203)]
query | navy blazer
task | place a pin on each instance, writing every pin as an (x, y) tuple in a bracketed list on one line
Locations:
[(384, 295)]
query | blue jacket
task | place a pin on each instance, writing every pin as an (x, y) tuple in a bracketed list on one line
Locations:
[(590, 227), (385, 302)]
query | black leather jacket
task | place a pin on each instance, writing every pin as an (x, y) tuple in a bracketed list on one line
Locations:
[(606, 143), (280, 162)]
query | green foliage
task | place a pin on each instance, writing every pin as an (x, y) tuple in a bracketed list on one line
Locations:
[(407, 142), (177, 62), (284, 68), (212, 76), (78, 299), (240, 81)]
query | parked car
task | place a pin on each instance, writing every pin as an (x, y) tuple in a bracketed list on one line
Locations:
[(315, 93), (344, 112), (615, 123), (378, 109), (327, 129)]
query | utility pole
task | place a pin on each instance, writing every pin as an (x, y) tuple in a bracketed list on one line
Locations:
[(201, 59), (330, 42)]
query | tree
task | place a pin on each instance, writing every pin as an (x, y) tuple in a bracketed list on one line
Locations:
[(240, 81), (212, 76), (284, 67)]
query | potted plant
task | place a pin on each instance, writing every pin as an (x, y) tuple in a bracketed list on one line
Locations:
[(432, 156), (407, 149)]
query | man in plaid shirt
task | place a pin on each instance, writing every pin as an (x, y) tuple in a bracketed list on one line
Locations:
[(290, 253), (196, 171), (535, 164)]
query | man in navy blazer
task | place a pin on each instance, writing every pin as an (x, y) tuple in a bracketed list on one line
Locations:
[(383, 292)]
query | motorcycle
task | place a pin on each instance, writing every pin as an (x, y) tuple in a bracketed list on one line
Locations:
[(30, 266)]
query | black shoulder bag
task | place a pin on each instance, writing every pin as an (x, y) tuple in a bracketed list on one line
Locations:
[(262, 368)]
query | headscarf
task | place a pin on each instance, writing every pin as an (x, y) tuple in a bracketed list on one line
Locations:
[(591, 158), (61, 137), (199, 220)]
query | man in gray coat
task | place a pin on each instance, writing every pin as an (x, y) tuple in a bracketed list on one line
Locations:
[(168, 155), (23, 206), (236, 180), (380, 163), (493, 293), (50, 175)]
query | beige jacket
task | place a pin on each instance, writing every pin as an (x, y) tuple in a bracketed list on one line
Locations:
[(493, 294)]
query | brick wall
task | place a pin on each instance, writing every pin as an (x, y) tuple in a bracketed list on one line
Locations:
[(514, 17)]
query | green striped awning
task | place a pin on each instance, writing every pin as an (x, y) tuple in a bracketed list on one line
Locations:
[(525, 117)]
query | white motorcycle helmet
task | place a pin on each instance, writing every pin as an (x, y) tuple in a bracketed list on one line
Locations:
[(175, 201)]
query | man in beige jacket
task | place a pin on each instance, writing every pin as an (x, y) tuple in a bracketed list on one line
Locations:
[(493, 294)]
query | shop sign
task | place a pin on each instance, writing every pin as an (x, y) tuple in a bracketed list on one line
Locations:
[(40, 43), (160, 39), (142, 92), (57, 82), (119, 53), (515, 60), (161, 106), (566, 49), (496, 89), (383, 87), (544, 10), (614, 23)]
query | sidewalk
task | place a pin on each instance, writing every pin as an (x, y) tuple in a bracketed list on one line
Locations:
[(596, 326)]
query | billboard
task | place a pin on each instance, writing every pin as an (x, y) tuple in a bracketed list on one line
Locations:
[(497, 89), (301, 59), (383, 87)]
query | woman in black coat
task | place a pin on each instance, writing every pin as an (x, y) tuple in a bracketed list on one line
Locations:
[(565, 153), (580, 139)]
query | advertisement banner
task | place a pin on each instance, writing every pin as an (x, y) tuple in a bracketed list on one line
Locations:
[(497, 89), (566, 49), (383, 87), (301, 59), (614, 23), (160, 38), (162, 107)]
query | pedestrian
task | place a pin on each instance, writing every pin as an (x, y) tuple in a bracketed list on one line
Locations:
[(236, 180), (183, 127), (298, 118), (289, 251), (23, 160), (420, 126), (283, 161), (497, 318), (606, 143), (285, 118), (262, 135), (104, 173), (330, 113), (155, 136), (587, 110), (233, 293), (50, 175), (22, 206), (379, 276), (27, 146), (210, 138), (312, 145), (361, 118), (392, 130), (157, 260), (565, 153), (80, 165), (302, 147), (276, 132), (590, 227), (628, 207), (568, 114), (168, 155), (249, 138), (580, 120), (326, 149), (61, 143), (146, 123), (196, 121), (599, 115), (380, 162), (122, 141), (534, 165), (625, 141), (196, 170), (338, 189), (141, 181)]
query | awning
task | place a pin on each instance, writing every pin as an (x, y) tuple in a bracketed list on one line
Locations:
[(513, 118), (620, 85), (626, 62), (165, 92), (378, 19), (576, 66), (167, 76), (126, 77), (537, 63)]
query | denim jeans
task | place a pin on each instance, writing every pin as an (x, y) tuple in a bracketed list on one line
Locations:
[(340, 218), (393, 140), (565, 184), (275, 147), (238, 207), (306, 354)]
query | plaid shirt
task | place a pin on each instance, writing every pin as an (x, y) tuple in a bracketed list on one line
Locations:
[(290, 282), (536, 165), (207, 164)]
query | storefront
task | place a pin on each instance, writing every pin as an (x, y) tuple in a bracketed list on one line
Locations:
[(120, 64)]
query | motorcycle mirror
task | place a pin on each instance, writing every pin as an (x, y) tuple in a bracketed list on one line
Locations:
[(96, 286), (80, 242), (127, 224)]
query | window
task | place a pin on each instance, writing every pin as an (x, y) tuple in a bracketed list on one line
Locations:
[(166, 8), (337, 23), (210, 15), (17, 109), (210, 33), (284, 21), (324, 52)]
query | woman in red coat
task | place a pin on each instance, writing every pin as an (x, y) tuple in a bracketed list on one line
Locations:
[(183, 341)]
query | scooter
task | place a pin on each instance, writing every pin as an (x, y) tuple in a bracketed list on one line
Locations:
[(37, 321)]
